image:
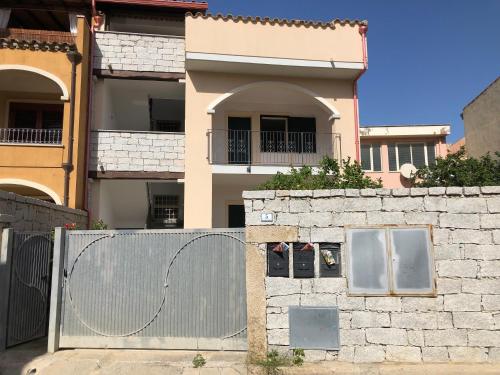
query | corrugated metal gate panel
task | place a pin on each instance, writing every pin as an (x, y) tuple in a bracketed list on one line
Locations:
[(155, 289), (29, 287)]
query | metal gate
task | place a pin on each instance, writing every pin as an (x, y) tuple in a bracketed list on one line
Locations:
[(158, 289), (27, 268)]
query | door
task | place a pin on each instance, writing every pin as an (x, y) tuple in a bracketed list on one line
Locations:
[(236, 216), (239, 142)]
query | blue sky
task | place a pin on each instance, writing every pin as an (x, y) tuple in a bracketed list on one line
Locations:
[(427, 58)]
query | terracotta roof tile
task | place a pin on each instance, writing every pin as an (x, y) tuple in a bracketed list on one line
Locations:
[(37, 40), (278, 21), (184, 4)]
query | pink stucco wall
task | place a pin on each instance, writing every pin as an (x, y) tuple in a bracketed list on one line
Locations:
[(394, 179)]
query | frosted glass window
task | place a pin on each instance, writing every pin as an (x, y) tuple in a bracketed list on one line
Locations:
[(411, 260), (367, 261), (390, 260)]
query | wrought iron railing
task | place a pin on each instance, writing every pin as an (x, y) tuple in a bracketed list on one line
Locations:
[(30, 136), (246, 147)]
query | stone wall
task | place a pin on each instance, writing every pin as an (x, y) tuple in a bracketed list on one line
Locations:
[(139, 52), (28, 214), (461, 323), (137, 151)]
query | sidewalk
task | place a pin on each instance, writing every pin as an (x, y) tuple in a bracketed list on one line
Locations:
[(20, 360)]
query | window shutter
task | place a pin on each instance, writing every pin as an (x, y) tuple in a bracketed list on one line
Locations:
[(365, 157), (393, 165), (431, 153), (418, 153), (404, 154), (377, 163)]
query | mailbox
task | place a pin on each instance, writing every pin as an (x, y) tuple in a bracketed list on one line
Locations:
[(329, 260), (277, 259), (303, 260)]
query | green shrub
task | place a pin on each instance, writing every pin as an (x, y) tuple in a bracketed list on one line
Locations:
[(458, 169), (328, 176), (199, 361), (98, 225)]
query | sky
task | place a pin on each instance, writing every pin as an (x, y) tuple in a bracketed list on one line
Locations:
[(426, 58)]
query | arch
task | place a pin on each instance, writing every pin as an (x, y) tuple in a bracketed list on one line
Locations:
[(334, 113), (35, 185), (52, 77)]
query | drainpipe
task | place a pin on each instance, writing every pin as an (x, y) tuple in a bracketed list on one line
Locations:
[(362, 30), (75, 58), (89, 114)]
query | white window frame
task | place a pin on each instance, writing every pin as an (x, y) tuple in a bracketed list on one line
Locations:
[(371, 157), (390, 275), (411, 153)]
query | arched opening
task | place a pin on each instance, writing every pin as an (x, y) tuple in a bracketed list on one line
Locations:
[(29, 189), (31, 105)]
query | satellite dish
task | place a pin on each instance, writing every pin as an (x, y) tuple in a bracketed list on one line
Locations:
[(407, 170)]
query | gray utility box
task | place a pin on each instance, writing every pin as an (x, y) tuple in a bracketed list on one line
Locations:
[(303, 261), (277, 263), (314, 327), (333, 270)]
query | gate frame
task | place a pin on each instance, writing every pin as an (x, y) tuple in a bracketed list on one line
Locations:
[(5, 271), (56, 291)]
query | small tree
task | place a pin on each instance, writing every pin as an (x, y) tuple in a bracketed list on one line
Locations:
[(328, 176), (458, 169)]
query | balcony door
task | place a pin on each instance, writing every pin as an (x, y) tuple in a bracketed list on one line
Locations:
[(239, 142)]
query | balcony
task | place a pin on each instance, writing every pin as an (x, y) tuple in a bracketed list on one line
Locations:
[(117, 52), (271, 148), (19, 136), (136, 151)]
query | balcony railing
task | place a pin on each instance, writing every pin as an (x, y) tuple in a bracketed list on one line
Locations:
[(246, 147), (31, 136)]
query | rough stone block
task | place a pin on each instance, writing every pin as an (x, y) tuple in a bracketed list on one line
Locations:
[(278, 337), (403, 204), (441, 236), (383, 303), (449, 286), (321, 193), (489, 268), (276, 321), (301, 193), (457, 268), (327, 235), (446, 337), (403, 354), (448, 252), (466, 205), (351, 192), (491, 302), (415, 218), (281, 286), (300, 205), (462, 302), (350, 303), (490, 189), (467, 221), (352, 337), (437, 190), (321, 299), (416, 337), (367, 319), (468, 355), (483, 286), (387, 336), (484, 338), (420, 320), (346, 354), (282, 300), (445, 320), (471, 236), (454, 190), (490, 221), (435, 354), (276, 205), (493, 205), (369, 354), (315, 219), (381, 218), (473, 320), (421, 304), (362, 205), (330, 285), (471, 190), (285, 218), (327, 205), (258, 194), (402, 192), (368, 192), (419, 192), (496, 236)]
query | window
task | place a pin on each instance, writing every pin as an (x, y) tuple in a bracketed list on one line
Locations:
[(390, 261), (370, 157), (288, 134), (35, 116), (418, 154), (166, 208)]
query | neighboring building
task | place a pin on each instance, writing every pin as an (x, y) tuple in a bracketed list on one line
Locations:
[(43, 112), (384, 149), (482, 121), (455, 147)]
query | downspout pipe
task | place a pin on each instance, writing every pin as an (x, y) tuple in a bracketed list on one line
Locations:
[(363, 29), (75, 58)]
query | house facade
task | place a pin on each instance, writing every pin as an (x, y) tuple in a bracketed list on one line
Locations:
[(385, 149), (44, 52)]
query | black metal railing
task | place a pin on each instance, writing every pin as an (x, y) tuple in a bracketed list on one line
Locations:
[(246, 147), (30, 136)]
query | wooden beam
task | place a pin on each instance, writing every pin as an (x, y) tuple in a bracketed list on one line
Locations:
[(34, 17), (128, 74), (136, 175)]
